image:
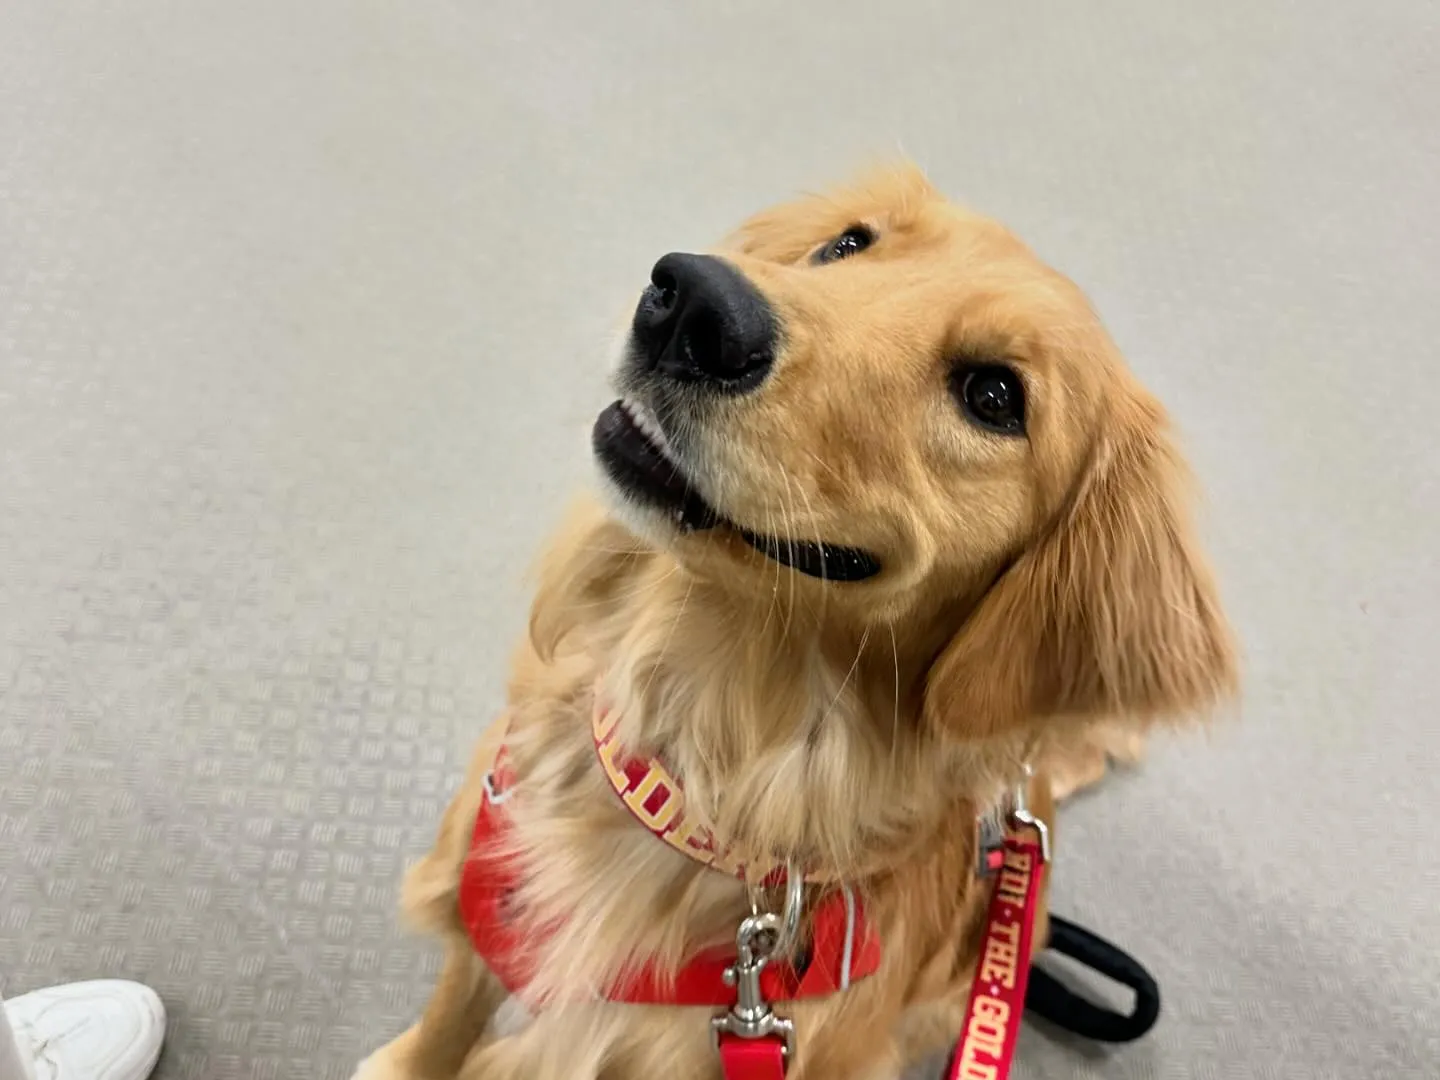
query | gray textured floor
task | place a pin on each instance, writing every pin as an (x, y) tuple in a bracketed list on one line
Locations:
[(300, 318)]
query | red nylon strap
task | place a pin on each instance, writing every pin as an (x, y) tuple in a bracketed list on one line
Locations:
[(752, 1059), (997, 996), (656, 799), (488, 881)]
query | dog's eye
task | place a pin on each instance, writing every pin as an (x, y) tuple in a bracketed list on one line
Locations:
[(851, 242), (992, 396)]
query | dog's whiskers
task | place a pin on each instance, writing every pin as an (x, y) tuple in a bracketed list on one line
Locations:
[(895, 719), (774, 589), (669, 637), (787, 520), (849, 674), (824, 464)]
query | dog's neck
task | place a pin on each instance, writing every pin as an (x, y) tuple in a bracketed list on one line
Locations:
[(794, 736)]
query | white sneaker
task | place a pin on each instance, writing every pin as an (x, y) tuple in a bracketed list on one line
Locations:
[(101, 1030)]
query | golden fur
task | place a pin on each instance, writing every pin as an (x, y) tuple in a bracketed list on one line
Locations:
[(1043, 600)]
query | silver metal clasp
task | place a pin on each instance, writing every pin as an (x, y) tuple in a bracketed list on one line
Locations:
[(1021, 814), (761, 937)]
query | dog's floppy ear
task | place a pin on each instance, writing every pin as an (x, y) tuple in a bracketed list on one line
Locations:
[(1112, 613)]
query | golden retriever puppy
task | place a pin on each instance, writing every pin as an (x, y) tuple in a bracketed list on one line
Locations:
[(887, 525)]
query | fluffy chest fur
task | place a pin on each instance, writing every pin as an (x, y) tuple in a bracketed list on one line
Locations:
[(787, 749)]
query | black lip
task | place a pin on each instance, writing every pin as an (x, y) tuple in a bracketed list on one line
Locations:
[(635, 463), (819, 560), (639, 466)]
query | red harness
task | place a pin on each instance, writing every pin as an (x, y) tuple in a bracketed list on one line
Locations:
[(843, 947), (489, 880)]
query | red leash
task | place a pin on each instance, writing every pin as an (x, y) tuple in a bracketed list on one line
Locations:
[(997, 996), (752, 1059)]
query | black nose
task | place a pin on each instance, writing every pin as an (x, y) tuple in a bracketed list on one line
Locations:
[(701, 320)]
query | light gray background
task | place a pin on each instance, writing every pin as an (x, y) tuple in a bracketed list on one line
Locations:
[(301, 320)]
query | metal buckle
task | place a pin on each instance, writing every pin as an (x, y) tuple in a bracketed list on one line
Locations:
[(1020, 814), (761, 937), (990, 829)]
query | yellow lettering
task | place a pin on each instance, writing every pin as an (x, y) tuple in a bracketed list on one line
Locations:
[(609, 753), (1013, 885), (985, 1034), (1019, 860), (992, 1009), (636, 799), (603, 723), (1001, 957), (692, 838), (987, 1026)]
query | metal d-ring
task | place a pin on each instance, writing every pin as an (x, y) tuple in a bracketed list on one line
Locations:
[(1021, 814), (786, 926), (793, 909)]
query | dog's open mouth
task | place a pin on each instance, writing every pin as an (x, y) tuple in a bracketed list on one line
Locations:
[(632, 447)]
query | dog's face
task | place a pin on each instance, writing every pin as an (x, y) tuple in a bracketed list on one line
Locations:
[(876, 374), (896, 402)]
